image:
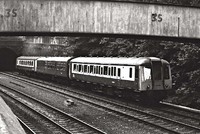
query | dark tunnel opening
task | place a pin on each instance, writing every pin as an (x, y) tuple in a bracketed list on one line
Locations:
[(7, 59)]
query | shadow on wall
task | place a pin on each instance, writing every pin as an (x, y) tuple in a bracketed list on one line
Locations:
[(7, 59)]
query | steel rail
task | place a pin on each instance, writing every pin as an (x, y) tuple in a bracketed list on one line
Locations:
[(84, 126), (169, 129)]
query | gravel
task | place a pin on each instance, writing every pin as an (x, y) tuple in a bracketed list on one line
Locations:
[(108, 122)]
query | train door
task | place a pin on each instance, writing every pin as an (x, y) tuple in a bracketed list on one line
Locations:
[(158, 82), (146, 82), (128, 73), (125, 73)]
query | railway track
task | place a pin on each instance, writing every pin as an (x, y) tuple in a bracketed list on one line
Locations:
[(188, 115), (56, 120), (151, 117), (26, 127), (28, 116)]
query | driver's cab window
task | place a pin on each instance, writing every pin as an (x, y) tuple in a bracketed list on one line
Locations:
[(145, 73)]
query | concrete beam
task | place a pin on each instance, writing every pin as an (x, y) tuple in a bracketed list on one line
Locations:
[(98, 17)]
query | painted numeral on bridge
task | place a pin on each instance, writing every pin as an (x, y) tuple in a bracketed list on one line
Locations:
[(11, 13), (156, 17)]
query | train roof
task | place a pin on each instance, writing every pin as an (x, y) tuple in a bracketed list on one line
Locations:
[(117, 60), (63, 59), (28, 57)]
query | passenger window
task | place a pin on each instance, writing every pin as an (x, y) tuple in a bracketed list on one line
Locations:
[(82, 68), (109, 71), (119, 72), (97, 70), (79, 68), (88, 70), (85, 68), (130, 73), (114, 71), (101, 70), (105, 70), (91, 68), (74, 67)]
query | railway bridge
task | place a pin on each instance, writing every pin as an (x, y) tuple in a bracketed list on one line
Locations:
[(98, 17), (122, 18)]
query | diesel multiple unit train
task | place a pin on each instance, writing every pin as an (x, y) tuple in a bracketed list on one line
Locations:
[(149, 77)]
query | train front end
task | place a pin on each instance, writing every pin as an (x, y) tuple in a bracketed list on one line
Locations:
[(155, 78)]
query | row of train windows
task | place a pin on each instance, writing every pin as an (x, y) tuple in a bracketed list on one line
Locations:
[(60, 66), (26, 62), (103, 70), (49, 65)]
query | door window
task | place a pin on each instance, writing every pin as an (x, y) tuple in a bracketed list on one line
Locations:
[(145, 73), (157, 70)]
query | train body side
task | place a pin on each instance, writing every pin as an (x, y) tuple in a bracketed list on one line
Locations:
[(138, 74), (55, 66), (115, 72), (27, 63), (149, 76)]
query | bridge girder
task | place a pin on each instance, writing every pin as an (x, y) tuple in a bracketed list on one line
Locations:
[(98, 17)]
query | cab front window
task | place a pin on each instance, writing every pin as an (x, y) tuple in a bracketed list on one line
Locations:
[(145, 73), (166, 71)]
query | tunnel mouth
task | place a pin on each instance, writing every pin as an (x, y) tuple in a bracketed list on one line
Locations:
[(7, 59)]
